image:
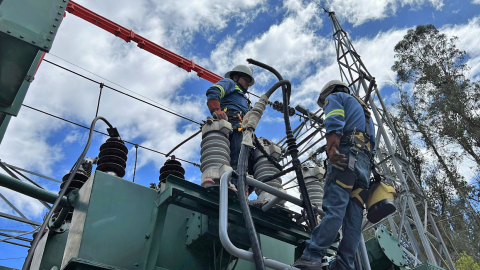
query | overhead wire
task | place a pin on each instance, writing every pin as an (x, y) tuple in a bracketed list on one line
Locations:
[(71, 122), (121, 92), (103, 78)]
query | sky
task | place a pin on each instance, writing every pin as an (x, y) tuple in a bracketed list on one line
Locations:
[(292, 36)]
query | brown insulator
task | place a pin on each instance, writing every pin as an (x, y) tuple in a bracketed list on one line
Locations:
[(80, 177), (171, 167), (113, 157)]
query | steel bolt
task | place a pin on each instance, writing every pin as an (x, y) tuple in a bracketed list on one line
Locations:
[(49, 39), (33, 41), (61, 6), (59, 13), (21, 36), (56, 19), (187, 235), (147, 236), (136, 264), (8, 32), (51, 32), (46, 47), (54, 25), (198, 226)]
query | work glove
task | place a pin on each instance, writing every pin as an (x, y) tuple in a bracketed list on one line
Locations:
[(338, 160), (215, 109)]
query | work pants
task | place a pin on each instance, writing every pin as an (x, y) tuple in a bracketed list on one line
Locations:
[(340, 211)]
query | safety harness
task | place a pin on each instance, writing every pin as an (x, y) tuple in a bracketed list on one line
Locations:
[(358, 141)]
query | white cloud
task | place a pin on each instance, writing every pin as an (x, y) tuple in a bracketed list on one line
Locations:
[(361, 11), (283, 39), (476, 2), (467, 40)]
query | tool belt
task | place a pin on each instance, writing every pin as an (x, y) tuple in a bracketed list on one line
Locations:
[(233, 115), (358, 139)]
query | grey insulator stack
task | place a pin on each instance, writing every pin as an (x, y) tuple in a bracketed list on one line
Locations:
[(263, 168), (215, 150), (313, 177)]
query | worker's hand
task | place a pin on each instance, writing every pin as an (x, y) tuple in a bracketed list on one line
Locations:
[(338, 160), (220, 115)]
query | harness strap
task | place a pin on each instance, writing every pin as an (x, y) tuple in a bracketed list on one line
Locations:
[(359, 196)]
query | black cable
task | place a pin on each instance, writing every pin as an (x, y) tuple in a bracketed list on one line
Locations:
[(99, 97), (291, 141), (146, 148), (262, 150), (247, 216), (121, 92), (184, 141), (275, 176), (79, 161), (135, 167)]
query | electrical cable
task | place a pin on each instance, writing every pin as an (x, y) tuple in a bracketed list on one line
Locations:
[(77, 165), (245, 151), (247, 216), (103, 78), (291, 141), (135, 166), (71, 122), (121, 92)]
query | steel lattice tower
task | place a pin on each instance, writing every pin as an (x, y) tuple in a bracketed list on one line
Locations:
[(391, 160)]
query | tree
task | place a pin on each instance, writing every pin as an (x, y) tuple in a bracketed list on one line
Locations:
[(466, 263), (436, 67)]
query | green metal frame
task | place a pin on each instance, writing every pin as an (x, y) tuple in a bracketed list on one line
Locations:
[(33, 22)]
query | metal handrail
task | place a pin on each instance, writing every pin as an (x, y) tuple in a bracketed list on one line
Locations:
[(222, 229)]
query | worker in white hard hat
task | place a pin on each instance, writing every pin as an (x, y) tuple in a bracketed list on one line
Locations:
[(350, 141), (227, 100)]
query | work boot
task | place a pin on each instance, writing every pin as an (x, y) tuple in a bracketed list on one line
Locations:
[(311, 265)]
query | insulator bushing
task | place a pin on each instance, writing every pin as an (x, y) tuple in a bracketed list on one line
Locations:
[(171, 167), (79, 179), (263, 168), (313, 177), (215, 150), (113, 157)]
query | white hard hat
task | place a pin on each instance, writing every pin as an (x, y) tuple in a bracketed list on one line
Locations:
[(242, 69), (328, 89)]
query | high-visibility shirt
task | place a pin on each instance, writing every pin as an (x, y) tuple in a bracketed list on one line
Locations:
[(344, 114), (229, 94)]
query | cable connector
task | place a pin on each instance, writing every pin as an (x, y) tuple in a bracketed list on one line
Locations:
[(113, 132)]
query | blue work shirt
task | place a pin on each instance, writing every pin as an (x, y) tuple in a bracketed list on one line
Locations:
[(229, 94), (343, 114)]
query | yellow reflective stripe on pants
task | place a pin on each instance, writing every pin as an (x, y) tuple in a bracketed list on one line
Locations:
[(222, 91)]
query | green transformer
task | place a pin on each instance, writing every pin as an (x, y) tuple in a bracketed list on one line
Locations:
[(119, 224)]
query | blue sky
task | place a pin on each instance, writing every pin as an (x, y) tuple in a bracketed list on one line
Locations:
[(293, 36)]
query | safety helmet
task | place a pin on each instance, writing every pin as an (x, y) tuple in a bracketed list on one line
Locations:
[(328, 88), (242, 69)]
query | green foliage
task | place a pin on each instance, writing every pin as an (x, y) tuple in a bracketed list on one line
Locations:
[(435, 114), (466, 263)]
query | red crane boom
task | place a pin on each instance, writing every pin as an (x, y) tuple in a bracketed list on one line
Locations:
[(143, 43)]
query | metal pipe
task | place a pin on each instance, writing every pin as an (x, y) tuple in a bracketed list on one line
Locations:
[(19, 219), (223, 234), (30, 190), (363, 253), (271, 204), (274, 191)]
